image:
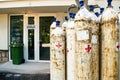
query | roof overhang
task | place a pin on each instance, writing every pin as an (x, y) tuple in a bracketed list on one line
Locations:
[(35, 6), (48, 9)]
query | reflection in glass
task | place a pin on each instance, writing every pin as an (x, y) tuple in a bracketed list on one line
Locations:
[(31, 44), (16, 29), (44, 37)]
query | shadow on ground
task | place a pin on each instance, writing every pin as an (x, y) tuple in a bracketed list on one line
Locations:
[(17, 76)]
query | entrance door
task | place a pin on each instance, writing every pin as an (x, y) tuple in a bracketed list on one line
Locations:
[(16, 30), (31, 38), (44, 37), (37, 37)]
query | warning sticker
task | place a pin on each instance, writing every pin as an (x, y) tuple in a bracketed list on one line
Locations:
[(83, 35), (94, 39)]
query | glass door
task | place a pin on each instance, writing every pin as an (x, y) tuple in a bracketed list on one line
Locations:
[(31, 44), (44, 37), (37, 37), (16, 30)]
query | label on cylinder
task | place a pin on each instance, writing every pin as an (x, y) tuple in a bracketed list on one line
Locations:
[(83, 35), (94, 39)]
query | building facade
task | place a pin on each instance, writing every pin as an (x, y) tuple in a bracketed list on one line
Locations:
[(29, 21)]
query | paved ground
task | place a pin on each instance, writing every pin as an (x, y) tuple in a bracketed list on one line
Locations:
[(26, 71), (18, 76)]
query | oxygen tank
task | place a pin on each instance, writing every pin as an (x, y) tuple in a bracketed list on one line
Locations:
[(52, 27), (70, 34), (57, 53), (95, 44), (83, 56), (110, 43)]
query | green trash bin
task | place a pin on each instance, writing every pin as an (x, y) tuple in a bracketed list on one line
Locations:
[(17, 53)]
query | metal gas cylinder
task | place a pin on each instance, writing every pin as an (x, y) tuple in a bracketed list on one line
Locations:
[(95, 44), (110, 43), (57, 54), (70, 36), (83, 33), (52, 27)]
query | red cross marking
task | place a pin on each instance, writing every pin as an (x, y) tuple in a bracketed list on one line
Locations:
[(58, 45), (88, 48)]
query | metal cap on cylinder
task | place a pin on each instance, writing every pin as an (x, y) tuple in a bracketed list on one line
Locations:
[(101, 10), (57, 23), (91, 8), (81, 3), (97, 14), (72, 15), (109, 2)]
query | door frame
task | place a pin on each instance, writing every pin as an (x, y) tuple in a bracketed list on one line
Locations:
[(36, 36), (36, 50)]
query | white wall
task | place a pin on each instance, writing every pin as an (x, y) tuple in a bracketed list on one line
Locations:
[(3, 32), (60, 17)]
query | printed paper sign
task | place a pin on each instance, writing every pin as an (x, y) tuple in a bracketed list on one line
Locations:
[(94, 39), (83, 35)]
